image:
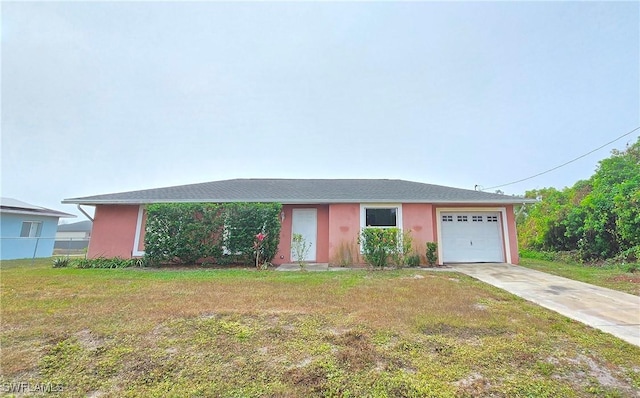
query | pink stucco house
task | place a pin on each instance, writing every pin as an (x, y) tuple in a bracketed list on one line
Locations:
[(468, 225)]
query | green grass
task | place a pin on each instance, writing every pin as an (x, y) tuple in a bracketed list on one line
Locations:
[(245, 333), (610, 276)]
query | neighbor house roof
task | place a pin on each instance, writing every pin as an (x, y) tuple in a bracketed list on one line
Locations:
[(14, 206), (80, 226), (303, 191)]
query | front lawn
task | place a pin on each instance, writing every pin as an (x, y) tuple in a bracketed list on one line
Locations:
[(610, 276), (243, 333)]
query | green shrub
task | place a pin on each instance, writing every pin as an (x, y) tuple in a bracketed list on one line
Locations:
[(104, 262), (630, 267), (413, 260), (631, 255), (300, 248), (378, 244), (140, 262), (82, 263), (61, 262), (400, 256), (432, 253)]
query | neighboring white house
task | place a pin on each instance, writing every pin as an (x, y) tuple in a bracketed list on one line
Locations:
[(73, 236)]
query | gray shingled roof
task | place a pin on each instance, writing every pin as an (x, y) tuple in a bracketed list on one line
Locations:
[(303, 191)]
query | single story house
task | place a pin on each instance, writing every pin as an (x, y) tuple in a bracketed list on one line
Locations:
[(26, 230), (468, 225), (74, 236)]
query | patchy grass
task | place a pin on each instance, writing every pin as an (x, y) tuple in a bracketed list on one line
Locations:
[(610, 276), (244, 333)]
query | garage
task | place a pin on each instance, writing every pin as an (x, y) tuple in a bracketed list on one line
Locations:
[(471, 237)]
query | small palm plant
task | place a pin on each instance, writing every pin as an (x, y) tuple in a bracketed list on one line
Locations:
[(61, 262), (300, 249)]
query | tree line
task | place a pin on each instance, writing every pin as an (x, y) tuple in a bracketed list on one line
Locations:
[(596, 219)]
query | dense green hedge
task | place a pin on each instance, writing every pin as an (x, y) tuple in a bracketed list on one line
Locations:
[(222, 233), (243, 222), (183, 232)]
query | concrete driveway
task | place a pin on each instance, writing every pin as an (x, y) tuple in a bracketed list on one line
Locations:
[(609, 310)]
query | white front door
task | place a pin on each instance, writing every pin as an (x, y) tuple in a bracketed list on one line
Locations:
[(473, 237), (305, 223)]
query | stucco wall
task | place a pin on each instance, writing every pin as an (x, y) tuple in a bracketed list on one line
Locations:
[(513, 235), (418, 218), (344, 228), (113, 233), (12, 246)]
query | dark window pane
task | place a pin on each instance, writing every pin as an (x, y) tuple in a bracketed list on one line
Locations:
[(26, 228), (381, 217)]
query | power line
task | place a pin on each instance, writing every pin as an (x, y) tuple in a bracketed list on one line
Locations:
[(566, 163)]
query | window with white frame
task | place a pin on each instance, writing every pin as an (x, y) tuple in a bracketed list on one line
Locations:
[(383, 215), (140, 227), (463, 219), (31, 229), (447, 218)]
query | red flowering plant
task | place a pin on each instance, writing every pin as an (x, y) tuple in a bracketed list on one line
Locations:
[(258, 248)]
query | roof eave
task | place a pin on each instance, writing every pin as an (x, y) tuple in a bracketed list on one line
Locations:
[(38, 213), (519, 201), (294, 201)]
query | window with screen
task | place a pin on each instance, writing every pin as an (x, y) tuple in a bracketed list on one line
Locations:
[(31, 229)]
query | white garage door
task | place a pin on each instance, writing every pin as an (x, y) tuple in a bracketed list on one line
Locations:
[(471, 237)]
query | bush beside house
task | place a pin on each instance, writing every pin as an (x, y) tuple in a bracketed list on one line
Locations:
[(186, 233)]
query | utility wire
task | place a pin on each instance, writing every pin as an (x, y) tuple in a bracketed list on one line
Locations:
[(566, 163)]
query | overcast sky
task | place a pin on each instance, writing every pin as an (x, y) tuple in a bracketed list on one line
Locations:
[(118, 96)]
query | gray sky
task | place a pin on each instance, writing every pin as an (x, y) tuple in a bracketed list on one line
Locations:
[(118, 96)]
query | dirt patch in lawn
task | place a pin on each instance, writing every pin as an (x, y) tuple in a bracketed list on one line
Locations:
[(633, 278), (464, 332)]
